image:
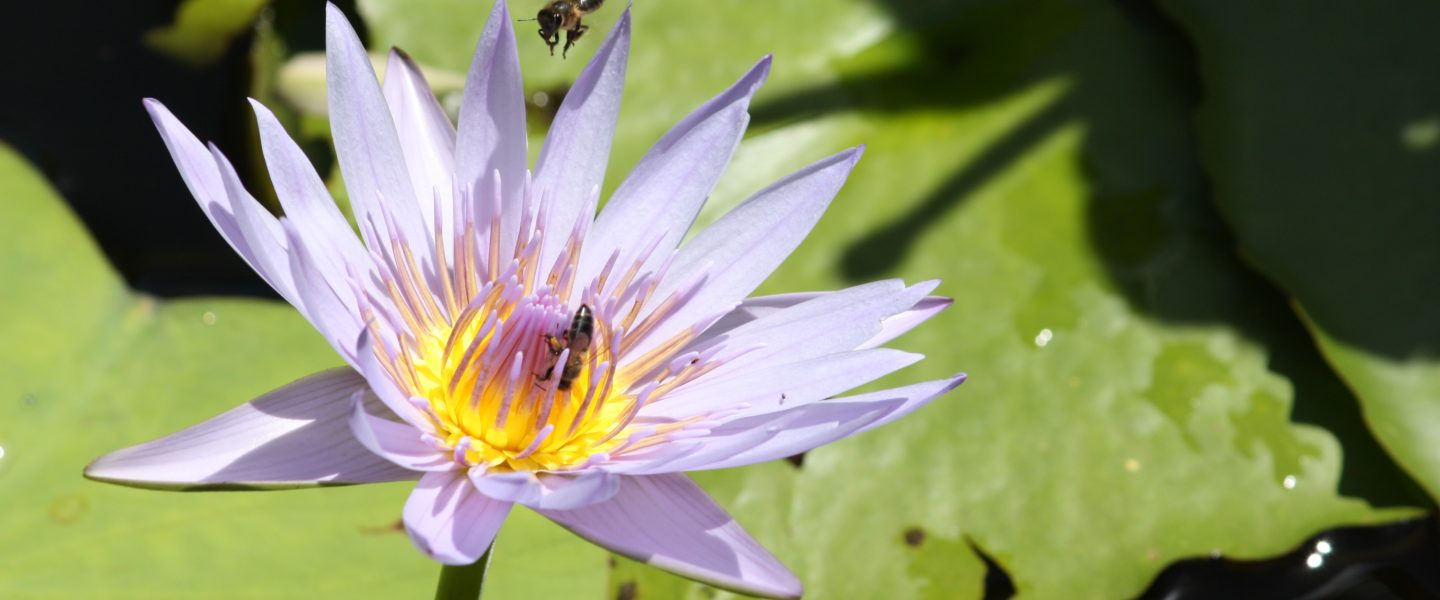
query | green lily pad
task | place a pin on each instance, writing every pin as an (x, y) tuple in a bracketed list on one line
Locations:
[(1132, 382), (90, 367), (1321, 133), (203, 29)]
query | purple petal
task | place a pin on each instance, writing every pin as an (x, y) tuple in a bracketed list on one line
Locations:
[(385, 388), (557, 491), (664, 192), (513, 486), (668, 522), (333, 315), (762, 306), (451, 522), (307, 202), (780, 384), (262, 232), (912, 397), (754, 439), (572, 162), (755, 308), (647, 460), (569, 492), (398, 442), (366, 144), (426, 138), (295, 436), (492, 120), (741, 249), (809, 329), (771, 436), (896, 325), (202, 176)]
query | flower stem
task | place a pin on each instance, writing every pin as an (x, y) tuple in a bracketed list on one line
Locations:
[(463, 582)]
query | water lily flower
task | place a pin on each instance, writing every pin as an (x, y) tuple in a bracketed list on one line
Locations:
[(505, 346)]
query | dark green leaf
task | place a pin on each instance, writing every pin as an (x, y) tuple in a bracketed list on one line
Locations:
[(1321, 128)]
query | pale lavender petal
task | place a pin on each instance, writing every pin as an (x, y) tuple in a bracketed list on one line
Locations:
[(366, 145), (337, 319), (308, 203), (398, 442), (762, 306), (293, 437), (666, 189), (773, 436), (197, 167), (572, 162), (780, 384), (895, 326), (426, 138), (569, 492), (510, 486), (557, 491), (260, 229), (668, 522), (913, 396), (492, 137), (396, 399), (753, 309), (741, 249), (643, 460), (451, 522), (834, 322), (202, 176), (754, 439)]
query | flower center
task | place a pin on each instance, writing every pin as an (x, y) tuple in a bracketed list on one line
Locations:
[(508, 393), (486, 338)]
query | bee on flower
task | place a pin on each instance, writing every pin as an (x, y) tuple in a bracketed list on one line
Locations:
[(505, 345)]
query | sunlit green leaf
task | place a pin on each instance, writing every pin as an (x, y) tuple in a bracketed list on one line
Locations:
[(203, 29)]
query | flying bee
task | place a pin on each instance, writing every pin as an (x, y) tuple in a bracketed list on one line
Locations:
[(565, 15), (577, 340)]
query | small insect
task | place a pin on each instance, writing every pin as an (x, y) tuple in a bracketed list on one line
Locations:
[(565, 15), (577, 339)]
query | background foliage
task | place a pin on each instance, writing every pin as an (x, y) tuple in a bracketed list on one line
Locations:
[(1190, 245)]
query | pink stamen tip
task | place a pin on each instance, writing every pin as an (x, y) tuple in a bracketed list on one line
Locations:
[(595, 459), (517, 367), (462, 447), (540, 438), (682, 361), (634, 438)]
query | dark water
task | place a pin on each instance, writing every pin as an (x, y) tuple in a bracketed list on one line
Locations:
[(75, 74), (1389, 562)]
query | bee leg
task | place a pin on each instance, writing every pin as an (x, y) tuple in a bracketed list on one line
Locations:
[(573, 36)]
